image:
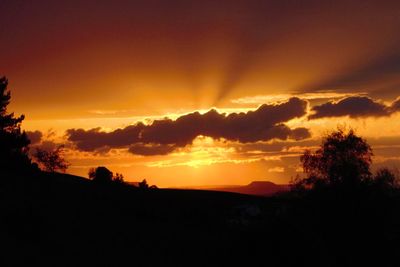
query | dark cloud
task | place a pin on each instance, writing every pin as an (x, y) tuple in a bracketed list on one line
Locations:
[(163, 136), (300, 134), (396, 105), (354, 107), (94, 139), (35, 137), (151, 150)]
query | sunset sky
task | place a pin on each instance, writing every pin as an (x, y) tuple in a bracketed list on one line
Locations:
[(190, 93)]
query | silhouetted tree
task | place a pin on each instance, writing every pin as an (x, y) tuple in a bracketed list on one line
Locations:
[(118, 178), (343, 159), (51, 161), (104, 175), (385, 179), (143, 184), (101, 174), (14, 143)]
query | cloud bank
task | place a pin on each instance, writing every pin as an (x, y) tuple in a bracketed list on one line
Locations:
[(164, 136), (354, 107)]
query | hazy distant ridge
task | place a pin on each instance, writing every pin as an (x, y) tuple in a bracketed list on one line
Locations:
[(259, 188)]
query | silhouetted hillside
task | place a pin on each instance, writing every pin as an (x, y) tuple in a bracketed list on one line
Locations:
[(59, 219), (64, 220), (259, 188)]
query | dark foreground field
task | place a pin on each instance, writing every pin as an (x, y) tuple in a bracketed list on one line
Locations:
[(63, 220)]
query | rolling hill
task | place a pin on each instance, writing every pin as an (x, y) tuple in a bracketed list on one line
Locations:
[(64, 220)]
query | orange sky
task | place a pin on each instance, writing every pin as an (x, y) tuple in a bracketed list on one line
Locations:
[(112, 64)]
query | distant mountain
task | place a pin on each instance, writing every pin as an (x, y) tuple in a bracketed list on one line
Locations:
[(259, 188)]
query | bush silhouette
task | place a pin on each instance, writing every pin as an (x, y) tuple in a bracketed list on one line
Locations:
[(101, 175), (343, 160), (118, 178), (14, 143), (51, 161), (386, 180), (143, 184)]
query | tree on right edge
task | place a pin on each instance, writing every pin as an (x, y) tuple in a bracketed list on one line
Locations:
[(343, 160)]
